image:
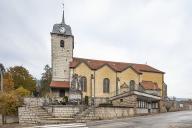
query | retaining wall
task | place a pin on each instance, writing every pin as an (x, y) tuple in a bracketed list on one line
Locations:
[(63, 110)]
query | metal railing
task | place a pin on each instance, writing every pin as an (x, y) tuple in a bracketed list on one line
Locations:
[(128, 90)]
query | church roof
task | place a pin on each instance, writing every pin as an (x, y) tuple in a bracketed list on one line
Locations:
[(60, 84), (116, 66), (56, 27), (149, 85)]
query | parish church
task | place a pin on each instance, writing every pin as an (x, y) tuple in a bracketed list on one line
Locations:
[(98, 78)]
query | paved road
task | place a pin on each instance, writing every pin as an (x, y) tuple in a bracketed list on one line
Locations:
[(165, 120)]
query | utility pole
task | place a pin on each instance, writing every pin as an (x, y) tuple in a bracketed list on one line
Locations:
[(1, 72)]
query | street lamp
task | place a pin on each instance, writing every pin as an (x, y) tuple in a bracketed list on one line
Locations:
[(1, 72)]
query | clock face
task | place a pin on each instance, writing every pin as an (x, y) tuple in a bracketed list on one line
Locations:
[(62, 29)]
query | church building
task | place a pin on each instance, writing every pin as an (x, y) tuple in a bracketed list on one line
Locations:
[(98, 78)]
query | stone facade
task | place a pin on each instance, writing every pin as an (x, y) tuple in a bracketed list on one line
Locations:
[(30, 101), (130, 101), (114, 112), (26, 116), (100, 113), (61, 57), (63, 111)]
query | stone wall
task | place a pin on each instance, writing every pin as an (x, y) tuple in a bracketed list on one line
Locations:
[(26, 116), (141, 111), (64, 111), (10, 119), (114, 112), (34, 101), (169, 106), (99, 100), (129, 101)]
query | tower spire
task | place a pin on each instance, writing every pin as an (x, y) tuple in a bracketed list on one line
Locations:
[(63, 18)]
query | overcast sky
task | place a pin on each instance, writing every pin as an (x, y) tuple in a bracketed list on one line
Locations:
[(156, 32)]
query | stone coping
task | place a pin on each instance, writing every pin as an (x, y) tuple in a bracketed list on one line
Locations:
[(64, 106), (116, 107)]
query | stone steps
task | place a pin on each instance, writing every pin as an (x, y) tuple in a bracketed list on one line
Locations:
[(66, 125), (43, 117)]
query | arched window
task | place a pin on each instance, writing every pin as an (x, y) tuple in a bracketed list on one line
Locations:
[(106, 85), (62, 44), (132, 85), (84, 84)]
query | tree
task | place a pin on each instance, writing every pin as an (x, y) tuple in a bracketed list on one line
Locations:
[(9, 102), (45, 80), (22, 78), (8, 84)]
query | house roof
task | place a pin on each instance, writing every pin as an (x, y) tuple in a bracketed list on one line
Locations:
[(60, 84), (149, 85), (116, 66)]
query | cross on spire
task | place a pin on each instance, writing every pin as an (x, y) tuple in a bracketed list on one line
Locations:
[(63, 18)]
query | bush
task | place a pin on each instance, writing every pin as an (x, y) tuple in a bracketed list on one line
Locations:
[(86, 100), (22, 92), (65, 99), (9, 102)]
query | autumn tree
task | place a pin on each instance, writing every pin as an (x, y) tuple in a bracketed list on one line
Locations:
[(45, 80), (22, 78), (8, 84), (21, 92), (10, 101)]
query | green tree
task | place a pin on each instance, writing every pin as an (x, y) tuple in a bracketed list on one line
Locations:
[(46, 80), (22, 78)]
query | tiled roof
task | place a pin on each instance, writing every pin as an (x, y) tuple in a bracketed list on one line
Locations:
[(149, 85), (59, 84), (116, 66)]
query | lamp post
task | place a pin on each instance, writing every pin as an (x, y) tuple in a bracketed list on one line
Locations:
[(1, 72)]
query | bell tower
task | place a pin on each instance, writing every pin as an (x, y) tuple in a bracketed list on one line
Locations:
[(62, 44)]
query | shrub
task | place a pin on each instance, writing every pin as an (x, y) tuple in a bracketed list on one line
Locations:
[(22, 92), (9, 102), (66, 99), (86, 100)]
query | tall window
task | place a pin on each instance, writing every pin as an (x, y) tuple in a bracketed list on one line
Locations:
[(84, 84), (106, 84), (62, 44)]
